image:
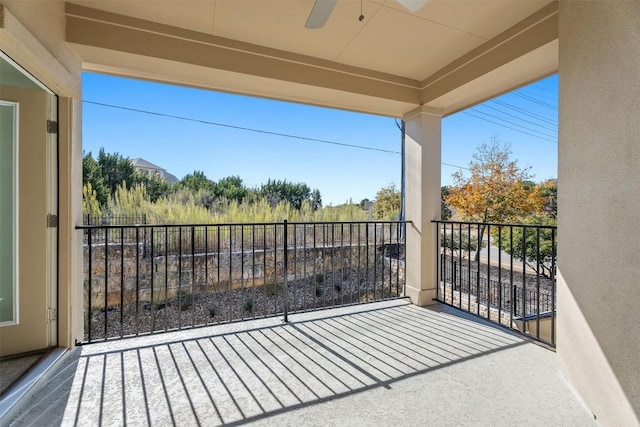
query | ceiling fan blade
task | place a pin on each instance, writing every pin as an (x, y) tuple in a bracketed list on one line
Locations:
[(320, 13), (412, 5)]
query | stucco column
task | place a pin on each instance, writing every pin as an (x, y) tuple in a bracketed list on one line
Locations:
[(422, 200), (598, 344)]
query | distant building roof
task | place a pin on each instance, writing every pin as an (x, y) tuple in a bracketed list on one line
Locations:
[(146, 165), (170, 177), (143, 164)]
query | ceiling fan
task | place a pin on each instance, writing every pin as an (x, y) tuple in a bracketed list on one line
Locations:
[(322, 10)]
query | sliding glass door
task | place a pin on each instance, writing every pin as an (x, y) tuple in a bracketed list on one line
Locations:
[(8, 213)]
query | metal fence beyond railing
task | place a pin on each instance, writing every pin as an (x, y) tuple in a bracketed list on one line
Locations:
[(142, 279), (114, 219), (505, 273)]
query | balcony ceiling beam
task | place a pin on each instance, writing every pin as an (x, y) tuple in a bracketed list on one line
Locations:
[(122, 45)]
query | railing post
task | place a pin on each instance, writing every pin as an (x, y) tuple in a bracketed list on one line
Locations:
[(89, 284), (285, 291), (553, 287)]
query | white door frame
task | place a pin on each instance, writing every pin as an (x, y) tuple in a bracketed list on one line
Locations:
[(52, 232), (52, 206)]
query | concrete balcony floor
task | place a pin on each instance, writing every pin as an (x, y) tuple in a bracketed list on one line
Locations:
[(377, 364)]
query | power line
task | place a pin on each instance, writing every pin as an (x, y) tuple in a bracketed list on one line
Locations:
[(261, 131), (512, 123), (543, 88), (189, 119), (529, 91), (520, 118), (525, 112), (509, 127), (455, 166), (534, 100)]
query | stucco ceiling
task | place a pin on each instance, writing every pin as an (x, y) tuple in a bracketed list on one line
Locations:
[(406, 52)]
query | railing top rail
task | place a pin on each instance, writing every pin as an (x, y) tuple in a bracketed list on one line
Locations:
[(348, 222), (496, 224), (247, 224)]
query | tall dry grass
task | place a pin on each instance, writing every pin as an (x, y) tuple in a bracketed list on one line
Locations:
[(187, 208)]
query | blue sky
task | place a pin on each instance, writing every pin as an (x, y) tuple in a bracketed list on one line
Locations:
[(340, 173)]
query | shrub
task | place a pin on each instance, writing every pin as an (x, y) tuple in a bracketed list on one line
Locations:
[(272, 288), (185, 299), (248, 306)]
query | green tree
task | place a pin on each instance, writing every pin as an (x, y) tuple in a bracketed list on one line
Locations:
[(156, 187), (92, 175), (112, 170), (536, 248), (496, 190), (455, 245), (387, 205), (231, 188), (549, 192), (276, 191), (445, 210), (197, 181), (117, 170), (316, 199)]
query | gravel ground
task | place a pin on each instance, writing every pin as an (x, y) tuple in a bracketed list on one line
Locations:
[(189, 310)]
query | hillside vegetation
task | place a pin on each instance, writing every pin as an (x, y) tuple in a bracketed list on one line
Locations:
[(113, 188)]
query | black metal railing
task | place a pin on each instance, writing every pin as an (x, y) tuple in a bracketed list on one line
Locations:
[(142, 279), (505, 273)]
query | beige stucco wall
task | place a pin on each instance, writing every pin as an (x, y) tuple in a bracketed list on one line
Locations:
[(32, 33), (599, 206), (45, 22)]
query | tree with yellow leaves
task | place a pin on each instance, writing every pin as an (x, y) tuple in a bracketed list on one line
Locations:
[(494, 192)]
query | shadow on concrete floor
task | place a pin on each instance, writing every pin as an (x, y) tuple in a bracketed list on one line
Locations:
[(379, 364)]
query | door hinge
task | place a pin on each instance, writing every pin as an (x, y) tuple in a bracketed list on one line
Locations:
[(52, 315), (52, 126), (52, 221)]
